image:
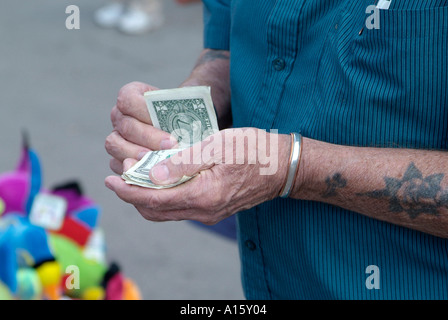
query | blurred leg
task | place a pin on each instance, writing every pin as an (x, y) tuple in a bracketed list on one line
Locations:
[(142, 16), (109, 15)]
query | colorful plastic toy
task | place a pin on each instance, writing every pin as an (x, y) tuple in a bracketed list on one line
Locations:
[(29, 286), (18, 188), (50, 241), (23, 245)]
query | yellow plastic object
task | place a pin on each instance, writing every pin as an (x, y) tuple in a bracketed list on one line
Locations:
[(49, 273), (93, 293), (5, 294), (2, 206)]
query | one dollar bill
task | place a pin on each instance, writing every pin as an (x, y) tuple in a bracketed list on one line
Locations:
[(139, 174), (188, 115)]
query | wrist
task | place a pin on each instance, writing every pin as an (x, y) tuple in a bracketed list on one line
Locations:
[(293, 164), (278, 179), (304, 174), (220, 95), (213, 69)]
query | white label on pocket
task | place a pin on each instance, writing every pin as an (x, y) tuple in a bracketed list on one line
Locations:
[(384, 4), (48, 211)]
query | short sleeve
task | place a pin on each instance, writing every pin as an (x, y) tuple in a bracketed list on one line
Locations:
[(217, 24)]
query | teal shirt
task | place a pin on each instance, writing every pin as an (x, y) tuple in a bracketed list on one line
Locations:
[(304, 66)]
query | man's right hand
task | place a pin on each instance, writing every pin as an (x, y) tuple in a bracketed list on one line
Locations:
[(133, 134)]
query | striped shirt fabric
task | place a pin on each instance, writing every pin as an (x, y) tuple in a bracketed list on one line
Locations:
[(316, 67)]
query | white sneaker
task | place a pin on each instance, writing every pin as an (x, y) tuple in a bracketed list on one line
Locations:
[(136, 21), (110, 15)]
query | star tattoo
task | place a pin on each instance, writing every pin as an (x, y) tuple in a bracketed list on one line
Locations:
[(413, 193)]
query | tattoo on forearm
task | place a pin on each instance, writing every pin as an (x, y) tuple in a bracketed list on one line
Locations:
[(333, 184), (212, 55), (413, 193)]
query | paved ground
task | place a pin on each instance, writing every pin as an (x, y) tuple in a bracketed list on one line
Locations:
[(60, 86)]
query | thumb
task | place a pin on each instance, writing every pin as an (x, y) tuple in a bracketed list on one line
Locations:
[(185, 163)]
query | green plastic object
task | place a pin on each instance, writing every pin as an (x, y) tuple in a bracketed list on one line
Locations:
[(5, 294), (82, 273)]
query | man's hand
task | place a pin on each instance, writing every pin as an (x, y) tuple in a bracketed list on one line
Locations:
[(231, 173), (133, 134), (203, 197)]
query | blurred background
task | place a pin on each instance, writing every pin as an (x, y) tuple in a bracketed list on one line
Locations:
[(60, 86)]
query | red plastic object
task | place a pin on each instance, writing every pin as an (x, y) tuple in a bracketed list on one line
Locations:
[(75, 231)]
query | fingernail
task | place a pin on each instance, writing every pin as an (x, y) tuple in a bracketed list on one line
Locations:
[(168, 143), (141, 155), (108, 184), (126, 165), (160, 173)]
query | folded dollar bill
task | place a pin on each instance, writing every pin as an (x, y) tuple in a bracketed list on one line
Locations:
[(188, 115), (139, 174)]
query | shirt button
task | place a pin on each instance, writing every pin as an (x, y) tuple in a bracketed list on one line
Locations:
[(279, 64), (250, 245)]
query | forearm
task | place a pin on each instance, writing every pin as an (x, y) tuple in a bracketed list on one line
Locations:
[(212, 69), (400, 186)]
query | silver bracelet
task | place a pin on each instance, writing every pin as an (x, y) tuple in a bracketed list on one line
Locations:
[(294, 159)]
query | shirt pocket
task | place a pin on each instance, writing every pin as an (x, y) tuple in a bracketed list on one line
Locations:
[(406, 60), (417, 4), (408, 45)]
